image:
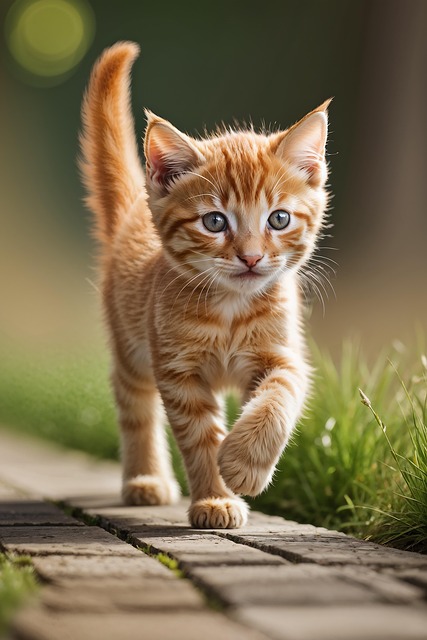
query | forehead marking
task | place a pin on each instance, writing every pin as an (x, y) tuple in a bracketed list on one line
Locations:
[(230, 176), (262, 169)]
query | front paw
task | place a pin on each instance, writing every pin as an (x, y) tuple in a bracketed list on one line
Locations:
[(240, 471), (218, 513)]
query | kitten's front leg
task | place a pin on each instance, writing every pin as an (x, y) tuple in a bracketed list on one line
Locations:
[(248, 455), (195, 418)]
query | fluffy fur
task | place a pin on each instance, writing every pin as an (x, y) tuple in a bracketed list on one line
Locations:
[(192, 311)]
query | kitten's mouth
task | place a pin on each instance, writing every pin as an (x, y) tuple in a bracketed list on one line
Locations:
[(248, 275)]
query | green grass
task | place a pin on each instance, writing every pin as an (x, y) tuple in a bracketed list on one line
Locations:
[(62, 398), (17, 583), (404, 523), (341, 469)]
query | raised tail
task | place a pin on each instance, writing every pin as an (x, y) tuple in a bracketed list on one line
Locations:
[(110, 164)]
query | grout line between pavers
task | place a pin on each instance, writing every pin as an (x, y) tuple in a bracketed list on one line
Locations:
[(293, 557), (211, 597), (297, 558)]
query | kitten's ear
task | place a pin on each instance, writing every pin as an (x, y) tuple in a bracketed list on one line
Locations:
[(303, 145), (168, 153)]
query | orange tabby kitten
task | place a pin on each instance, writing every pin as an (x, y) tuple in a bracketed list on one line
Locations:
[(200, 290)]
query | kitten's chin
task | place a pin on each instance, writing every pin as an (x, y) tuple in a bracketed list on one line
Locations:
[(248, 282)]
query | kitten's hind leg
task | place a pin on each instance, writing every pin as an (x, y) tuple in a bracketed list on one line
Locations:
[(147, 472)]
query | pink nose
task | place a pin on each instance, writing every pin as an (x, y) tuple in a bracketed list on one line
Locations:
[(251, 261)]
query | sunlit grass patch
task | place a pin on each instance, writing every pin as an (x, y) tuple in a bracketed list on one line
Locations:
[(17, 583), (402, 521), (62, 397), (340, 471)]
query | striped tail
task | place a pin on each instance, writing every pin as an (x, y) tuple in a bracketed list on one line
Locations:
[(110, 163)]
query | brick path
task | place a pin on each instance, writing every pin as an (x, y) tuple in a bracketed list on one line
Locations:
[(274, 579)]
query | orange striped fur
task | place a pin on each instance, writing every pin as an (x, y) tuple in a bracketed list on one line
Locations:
[(193, 311)]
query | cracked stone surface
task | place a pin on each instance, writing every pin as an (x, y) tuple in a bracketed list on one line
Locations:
[(110, 571)]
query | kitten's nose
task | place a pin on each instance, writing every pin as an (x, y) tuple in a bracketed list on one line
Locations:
[(251, 261)]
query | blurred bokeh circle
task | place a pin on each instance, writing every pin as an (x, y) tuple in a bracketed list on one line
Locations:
[(48, 38)]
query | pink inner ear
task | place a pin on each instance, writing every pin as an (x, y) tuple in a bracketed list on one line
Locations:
[(311, 164), (304, 146), (156, 165)]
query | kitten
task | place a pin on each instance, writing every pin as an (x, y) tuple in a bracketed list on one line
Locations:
[(200, 290)]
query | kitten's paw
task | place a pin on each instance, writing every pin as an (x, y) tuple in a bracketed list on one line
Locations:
[(150, 490), (218, 513), (239, 472)]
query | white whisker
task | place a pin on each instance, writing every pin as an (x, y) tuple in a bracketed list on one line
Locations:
[(180, 275), (206, 277), (218, 186), (92, 284), (200, 195), (207, 180), (207, 292)]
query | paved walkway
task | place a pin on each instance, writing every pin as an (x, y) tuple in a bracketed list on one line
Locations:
[(114, 572)]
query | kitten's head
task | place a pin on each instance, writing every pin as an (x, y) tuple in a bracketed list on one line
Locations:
[(240, 207)]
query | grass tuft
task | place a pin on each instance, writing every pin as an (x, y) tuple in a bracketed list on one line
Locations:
[(342, 471), (170, 563), (17, 583), (404, 524)]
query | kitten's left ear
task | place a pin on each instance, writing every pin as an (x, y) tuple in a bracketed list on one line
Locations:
[(303, 145), (168, 153)]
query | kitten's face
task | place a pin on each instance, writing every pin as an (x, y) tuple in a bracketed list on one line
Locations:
[(239, 210)]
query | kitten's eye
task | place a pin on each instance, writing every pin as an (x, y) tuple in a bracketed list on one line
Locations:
[(215, 221), (279, 219)]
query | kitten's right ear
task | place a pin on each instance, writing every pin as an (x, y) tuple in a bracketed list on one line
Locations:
[(303, 145), (168, 153)]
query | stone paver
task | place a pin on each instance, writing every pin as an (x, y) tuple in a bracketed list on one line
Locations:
[(299, 584), (115, 594), (54, 568), (366, 622), (32, 512), (72, 540), (39, 624), (192, 549), (329, 549), (274, 578)]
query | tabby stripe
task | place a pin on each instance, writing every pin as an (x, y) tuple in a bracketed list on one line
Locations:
[(254, 316), (202, 438), (172, 229), (134, 387), (259, 186), (192, 406), (246, 181), (281, 381), (118, 343), (230, 176), (306, 217)]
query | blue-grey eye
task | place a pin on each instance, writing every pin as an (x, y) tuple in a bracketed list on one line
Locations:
[(215, 221), (279, 219)]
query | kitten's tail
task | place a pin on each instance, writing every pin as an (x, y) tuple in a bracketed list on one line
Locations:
[(110, 164)]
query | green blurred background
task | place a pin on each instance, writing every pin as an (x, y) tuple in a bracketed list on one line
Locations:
[(201, 63)]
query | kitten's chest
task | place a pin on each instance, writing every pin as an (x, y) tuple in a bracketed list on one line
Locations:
[(226, 349), (230, 355)]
